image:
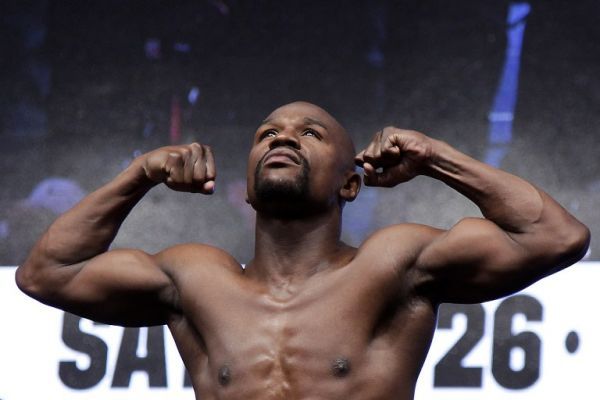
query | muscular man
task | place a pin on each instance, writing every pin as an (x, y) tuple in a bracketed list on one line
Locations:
[(309, 317)]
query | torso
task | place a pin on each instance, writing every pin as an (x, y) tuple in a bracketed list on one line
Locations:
[(353, 332)]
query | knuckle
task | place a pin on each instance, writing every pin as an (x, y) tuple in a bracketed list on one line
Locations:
[(389, 130), (389, 150), (199, 176)]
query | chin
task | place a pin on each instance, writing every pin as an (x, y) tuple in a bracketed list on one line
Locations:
[(280, 198), (273, 186), (279, 190)]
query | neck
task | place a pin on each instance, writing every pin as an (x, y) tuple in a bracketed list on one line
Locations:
[(291, 250)]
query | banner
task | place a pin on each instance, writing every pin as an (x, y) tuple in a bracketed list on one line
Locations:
[(540, 343)]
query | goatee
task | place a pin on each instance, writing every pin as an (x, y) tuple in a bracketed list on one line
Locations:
[(289, 191)]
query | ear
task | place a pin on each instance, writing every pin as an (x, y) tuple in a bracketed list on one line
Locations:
[(351, 187)]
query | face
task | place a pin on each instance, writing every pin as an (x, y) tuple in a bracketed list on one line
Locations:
[(300, 160)]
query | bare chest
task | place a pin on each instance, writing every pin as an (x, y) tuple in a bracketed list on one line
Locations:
[(332, 335)]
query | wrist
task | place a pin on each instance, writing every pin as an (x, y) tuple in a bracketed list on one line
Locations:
[(136, 174), (437, 159)]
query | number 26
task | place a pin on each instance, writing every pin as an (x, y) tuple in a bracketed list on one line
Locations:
[(449, 372)]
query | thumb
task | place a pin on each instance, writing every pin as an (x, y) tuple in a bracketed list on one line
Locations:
[(208, 187)]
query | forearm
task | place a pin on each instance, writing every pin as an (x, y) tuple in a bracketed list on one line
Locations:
[(509, 201), (528, 215), (88, 228)]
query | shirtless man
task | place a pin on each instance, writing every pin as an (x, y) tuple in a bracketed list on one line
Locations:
[(309, 317)]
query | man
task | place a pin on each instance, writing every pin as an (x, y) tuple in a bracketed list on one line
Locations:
[(309, 317)]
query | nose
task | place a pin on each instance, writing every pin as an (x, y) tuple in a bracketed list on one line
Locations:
[(285, 139)]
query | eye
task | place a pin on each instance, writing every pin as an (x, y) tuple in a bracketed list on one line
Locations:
[(311, 132), (269, 133)]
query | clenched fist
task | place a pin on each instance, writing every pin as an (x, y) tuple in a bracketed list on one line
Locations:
[(394, 156), (185, 168)]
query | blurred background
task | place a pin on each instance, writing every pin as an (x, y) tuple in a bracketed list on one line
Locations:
[(88, 85)]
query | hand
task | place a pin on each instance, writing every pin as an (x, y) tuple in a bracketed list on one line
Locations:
[(185, 168), (394, 156)]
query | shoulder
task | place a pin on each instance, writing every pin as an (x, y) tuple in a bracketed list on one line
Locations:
[(196, 256), (389, 258), (397, 246), (405, 238)]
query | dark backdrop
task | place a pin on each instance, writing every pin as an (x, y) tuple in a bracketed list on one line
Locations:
[(87, 85)]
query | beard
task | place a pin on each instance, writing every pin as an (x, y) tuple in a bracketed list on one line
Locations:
[(278, 192)]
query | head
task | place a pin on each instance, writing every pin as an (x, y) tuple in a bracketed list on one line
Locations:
[(301, 162)]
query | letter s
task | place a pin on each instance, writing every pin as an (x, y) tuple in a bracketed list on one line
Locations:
[(91, 345)]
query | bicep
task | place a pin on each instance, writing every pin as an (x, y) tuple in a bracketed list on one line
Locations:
[(476, 261), (122, 287)]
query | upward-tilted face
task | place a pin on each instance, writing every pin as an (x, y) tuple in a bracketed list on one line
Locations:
[(300, 161)]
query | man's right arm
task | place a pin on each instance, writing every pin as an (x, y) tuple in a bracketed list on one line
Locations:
[(70, 266)]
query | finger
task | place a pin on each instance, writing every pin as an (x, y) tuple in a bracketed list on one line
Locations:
[(199, 167), (206, 172), (386, 178), (370, 174), (190, 155), (207, 183), (369, 169), (390, 146), (174, 168), (194, 153), (358, 159), (370, 179), (380, 177), (208, 187), (398, 174), (211, 171), (373, 152)]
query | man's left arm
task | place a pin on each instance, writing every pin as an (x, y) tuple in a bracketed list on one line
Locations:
[(524, 235)]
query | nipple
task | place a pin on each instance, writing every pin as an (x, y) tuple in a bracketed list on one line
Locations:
[(340, 367), (224, 375)]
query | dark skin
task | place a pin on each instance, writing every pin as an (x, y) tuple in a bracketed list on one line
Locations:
[(309, 317)]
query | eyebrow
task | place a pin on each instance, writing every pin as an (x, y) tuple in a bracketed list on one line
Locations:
[(306, 120), (311, 121)]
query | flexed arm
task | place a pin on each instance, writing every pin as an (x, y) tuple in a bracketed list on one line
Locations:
[(524, 236), (70, 266)]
